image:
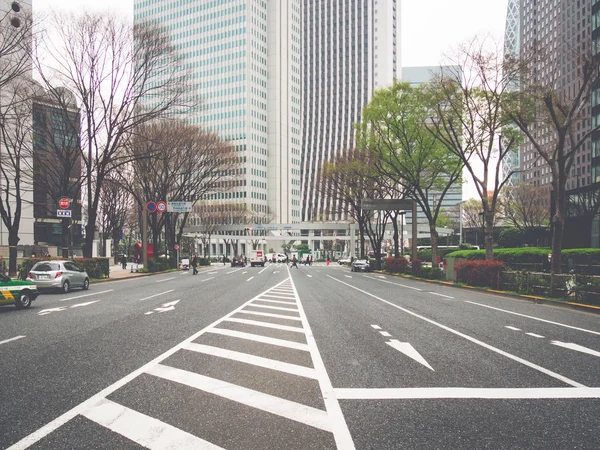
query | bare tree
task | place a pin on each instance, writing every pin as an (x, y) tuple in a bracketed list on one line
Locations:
[(550, 112), (122, 78), (115, 205), (16, 34), (526, 206), (16, 160), (470, 121)]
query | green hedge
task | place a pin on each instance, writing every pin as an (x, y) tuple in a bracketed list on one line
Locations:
[(539, 255), (203, 262), (158, 264), (425, 254), (430, 273), (95, 267)]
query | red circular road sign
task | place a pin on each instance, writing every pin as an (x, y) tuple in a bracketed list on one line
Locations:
[(176, 247), (64, 203), (162, 207), (151, 207)]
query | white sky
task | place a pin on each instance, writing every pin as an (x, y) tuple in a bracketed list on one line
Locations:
[(430, 29)]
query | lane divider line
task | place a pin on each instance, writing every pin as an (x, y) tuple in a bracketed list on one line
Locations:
[(164, 279), (85, 295), (156, 295), (6, 341)]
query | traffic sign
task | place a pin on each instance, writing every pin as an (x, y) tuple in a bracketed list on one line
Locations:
[(63, 213), (176, 247), (64, 203), (179, 207), (161, 207), (151, 207)]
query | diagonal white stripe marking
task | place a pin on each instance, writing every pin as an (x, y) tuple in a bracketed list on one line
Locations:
[(145, 430), (259, 338), (6, 341), (275, 405), (156, 295), (385, 333), (469, 338), (274, 301), (512, 328), (259, 361), (85, 295), (377, 327), (280, 308), (535, 335), (249, 278), (287, 297), (278, 316), (491, 393), (440, 295), (266, 325)]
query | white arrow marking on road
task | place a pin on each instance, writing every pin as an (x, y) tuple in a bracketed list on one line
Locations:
[(44, 312), (11, 339), (577, 348), (84, 304), (408, 350), (170, 306), (173, 303), (162, 310)]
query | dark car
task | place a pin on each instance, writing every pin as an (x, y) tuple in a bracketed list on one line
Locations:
[(238, 261), (360, 265)]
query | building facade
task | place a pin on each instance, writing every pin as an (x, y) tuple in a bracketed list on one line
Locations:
[(245, 56), (417, 76), (350, 48)]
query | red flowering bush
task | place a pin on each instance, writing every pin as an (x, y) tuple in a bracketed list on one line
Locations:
[(395, 265), (479, 273)]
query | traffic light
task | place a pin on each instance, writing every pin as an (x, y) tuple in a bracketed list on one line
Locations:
[(15, 21)]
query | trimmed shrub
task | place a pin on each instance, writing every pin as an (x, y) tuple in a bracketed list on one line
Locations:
[(582, 255), (430, 273), (203, 262), (395, 265), (479, 273), (511, 237), (158, 264)]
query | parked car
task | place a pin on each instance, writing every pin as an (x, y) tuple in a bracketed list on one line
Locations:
[(238, 261), (360, 265), (184, 264), (343, 261), (63, 275), (17, 292)]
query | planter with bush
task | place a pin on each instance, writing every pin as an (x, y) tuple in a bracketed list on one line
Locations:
[(479, 273)]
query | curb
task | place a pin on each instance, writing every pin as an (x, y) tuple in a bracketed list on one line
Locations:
[(531, 298), (138, 275)]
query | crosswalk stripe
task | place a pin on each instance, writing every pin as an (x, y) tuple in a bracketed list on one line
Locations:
[(278, 316), (280, 308), (259, 338), (285, 408), (259, 361), (274, 301), (286, 297), (143, 429), (258, 323)]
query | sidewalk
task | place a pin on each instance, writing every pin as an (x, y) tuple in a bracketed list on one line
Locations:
[(116, 271)]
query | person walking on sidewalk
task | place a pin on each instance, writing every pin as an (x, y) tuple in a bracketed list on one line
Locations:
[(124, 261), (194, 264)]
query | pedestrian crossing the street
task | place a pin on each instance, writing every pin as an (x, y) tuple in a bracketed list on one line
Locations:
[(252, 379)]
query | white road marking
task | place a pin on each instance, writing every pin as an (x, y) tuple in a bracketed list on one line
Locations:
[(207, 279), (535, 335), (441, 295), (45, 312), (408, 350), (143, 429), (341, 433), (44, 431), (456, 392), (285, 408), (471, 339), (258, 323), (232, 271), (249, 278), (397, 284), (263, 270), (85, 295), (83, 304), (309, 276), (164, 279), (244, 272), (280, 308), (576, 347), (278, 316), (535, 318), (377, 327), (211, 273), (258, 361), (281, 291), (385, 333), (259, 338), (156, 295), (288, 297), (170, 306), (6, 341), (273, 301), (381, 276), (512, 328), (348, 276)]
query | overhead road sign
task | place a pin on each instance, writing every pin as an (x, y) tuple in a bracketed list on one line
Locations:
[(387, 204), (179, 207)]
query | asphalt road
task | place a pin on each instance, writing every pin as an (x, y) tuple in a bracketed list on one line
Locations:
[(285, 358)]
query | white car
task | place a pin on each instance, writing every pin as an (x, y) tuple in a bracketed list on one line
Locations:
[(344, 261)]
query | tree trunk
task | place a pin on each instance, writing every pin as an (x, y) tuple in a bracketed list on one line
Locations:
[(434, 245), (489, 236), (13, 240), (559, 225), (361, 231), (116, 235), (396, 234)]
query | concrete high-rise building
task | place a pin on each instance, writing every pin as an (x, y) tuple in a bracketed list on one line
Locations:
[(417, 76), (350, 49), (555, 30), (245, 56)]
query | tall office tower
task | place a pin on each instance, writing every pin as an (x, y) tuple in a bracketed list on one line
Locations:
[(350, 48), (554, 31), (512, 43), (245, 59), (596, 95)]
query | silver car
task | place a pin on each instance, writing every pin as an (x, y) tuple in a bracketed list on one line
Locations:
[(62, 275)]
